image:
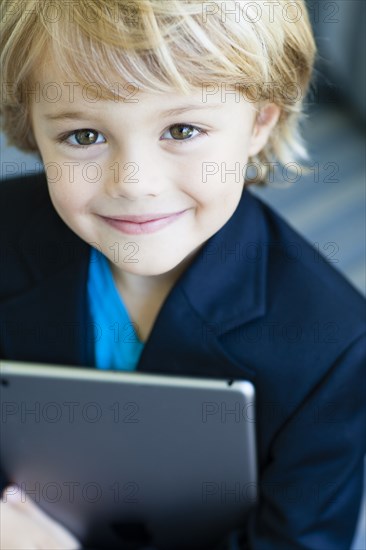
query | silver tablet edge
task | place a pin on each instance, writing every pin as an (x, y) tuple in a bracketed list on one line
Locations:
[(15, 368)]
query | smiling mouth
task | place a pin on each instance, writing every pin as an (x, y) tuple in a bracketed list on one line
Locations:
[(143, 218), (141, 227)]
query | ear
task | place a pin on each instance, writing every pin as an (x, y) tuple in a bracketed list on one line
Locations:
[(266, 120)]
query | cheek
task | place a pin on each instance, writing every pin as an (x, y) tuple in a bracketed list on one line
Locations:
[(71, 184), (70, 195), (219, 179)]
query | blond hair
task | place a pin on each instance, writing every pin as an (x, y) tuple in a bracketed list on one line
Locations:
[(264, 50)]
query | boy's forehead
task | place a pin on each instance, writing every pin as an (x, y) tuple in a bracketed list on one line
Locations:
[(49, 75), (57, 92)]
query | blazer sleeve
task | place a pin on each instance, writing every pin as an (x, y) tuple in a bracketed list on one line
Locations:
[(311, 489)]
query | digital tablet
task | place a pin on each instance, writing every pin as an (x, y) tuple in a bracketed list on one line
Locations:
[(124, 458)]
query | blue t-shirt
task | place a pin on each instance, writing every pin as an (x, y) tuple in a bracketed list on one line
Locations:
[(116, 344)]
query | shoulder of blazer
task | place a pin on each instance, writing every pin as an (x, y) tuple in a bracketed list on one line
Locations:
[(304, 277), (35, 242)]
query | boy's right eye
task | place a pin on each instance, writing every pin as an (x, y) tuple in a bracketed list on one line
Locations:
[(82, 138)]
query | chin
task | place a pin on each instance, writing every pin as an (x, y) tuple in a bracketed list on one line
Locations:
[(153, 270)]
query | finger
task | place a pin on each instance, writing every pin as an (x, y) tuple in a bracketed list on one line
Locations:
[(58, 541), (63, 538), (52, 533)]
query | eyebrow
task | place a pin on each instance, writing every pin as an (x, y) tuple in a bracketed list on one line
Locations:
[(65, 115), (185, 108), (62, 115)]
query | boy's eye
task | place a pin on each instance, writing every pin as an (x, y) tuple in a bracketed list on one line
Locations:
[(81, 138), (86, 137), (183, 132)]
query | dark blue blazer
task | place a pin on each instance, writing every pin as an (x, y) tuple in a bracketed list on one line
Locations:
[(258, 303)]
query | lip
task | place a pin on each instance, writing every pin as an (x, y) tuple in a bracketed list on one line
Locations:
[(150, 224), (144, 218)]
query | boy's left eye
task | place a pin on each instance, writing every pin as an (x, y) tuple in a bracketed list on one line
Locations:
[(183, 132)]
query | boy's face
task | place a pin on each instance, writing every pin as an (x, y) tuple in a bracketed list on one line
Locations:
[(141, 160)]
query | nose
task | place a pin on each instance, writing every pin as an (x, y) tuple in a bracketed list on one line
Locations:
[(132, 176)]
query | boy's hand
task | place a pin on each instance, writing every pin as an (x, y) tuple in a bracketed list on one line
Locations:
[(24, 526)]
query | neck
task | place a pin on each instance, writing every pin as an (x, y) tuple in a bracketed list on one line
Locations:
[(144, 286)]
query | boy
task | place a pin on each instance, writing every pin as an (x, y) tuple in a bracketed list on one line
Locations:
[(132, 230)]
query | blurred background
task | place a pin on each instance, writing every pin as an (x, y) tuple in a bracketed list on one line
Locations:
[(327, 205)]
